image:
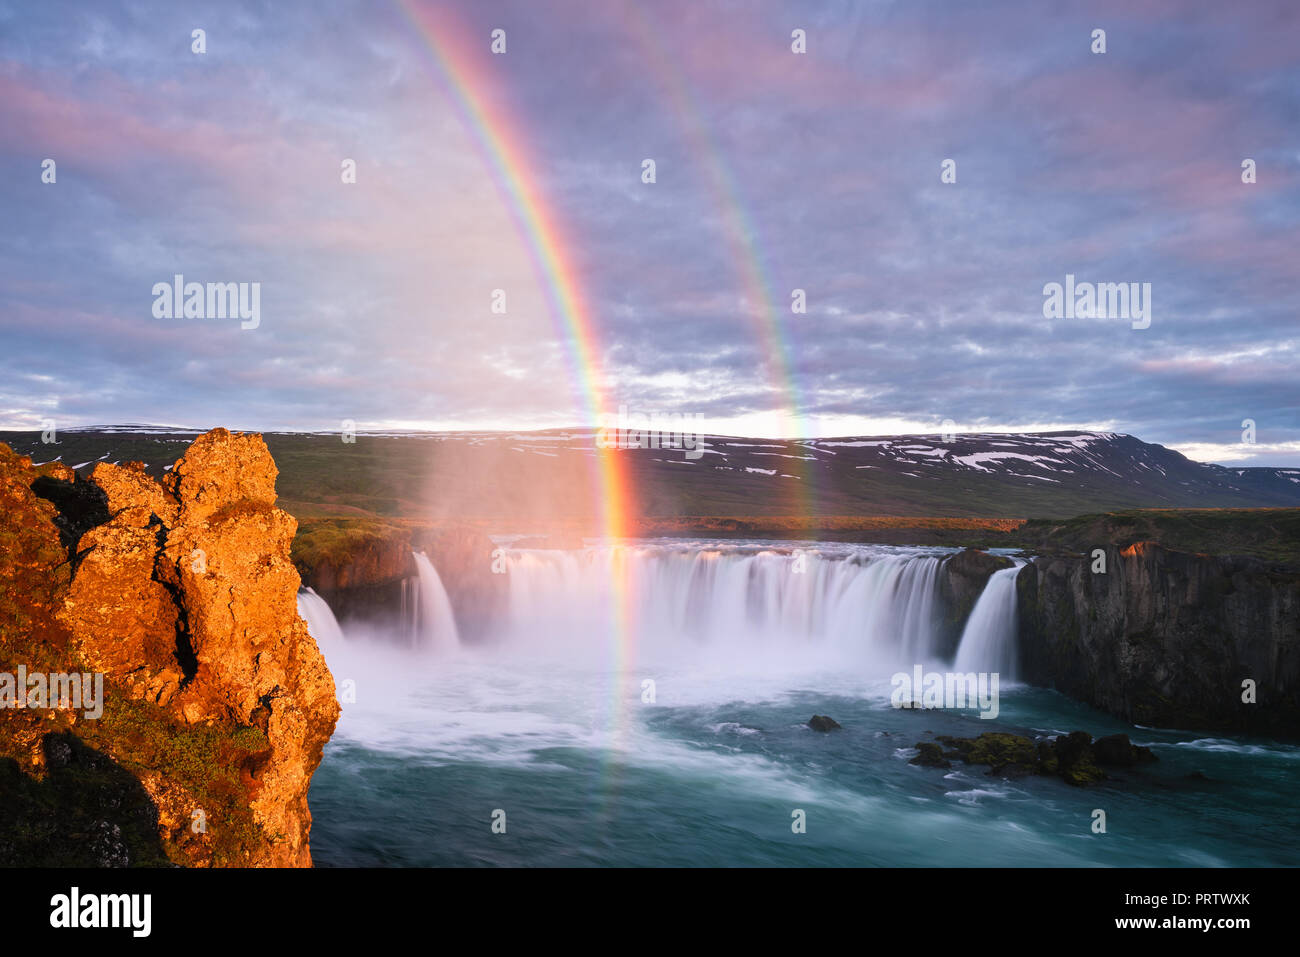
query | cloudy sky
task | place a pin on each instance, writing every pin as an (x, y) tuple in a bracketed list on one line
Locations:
[(774, 171)]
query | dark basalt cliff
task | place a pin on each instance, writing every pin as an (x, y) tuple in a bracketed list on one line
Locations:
[(1166, 638), (217, 702), (961, 582)]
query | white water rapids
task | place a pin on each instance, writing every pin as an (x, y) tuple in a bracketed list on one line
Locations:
[(545, 713)]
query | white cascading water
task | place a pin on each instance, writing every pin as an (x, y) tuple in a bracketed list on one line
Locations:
[(988, 642), (737, 603), (321, 623), (435, 625)]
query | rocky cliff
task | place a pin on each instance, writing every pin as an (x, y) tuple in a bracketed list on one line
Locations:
[(1166, 638), (217, 702), (360, 567), (961, 582), (357, 565)]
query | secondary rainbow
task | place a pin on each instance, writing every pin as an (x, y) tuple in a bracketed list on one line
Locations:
[(741, 234)]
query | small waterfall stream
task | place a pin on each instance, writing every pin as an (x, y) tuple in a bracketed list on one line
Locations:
[(988, 642), (321, 623), (434, 623)]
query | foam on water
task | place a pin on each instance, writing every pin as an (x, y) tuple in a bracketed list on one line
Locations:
[(742, 649)]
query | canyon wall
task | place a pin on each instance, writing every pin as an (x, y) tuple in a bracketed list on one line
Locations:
[(362, 567), (961, 582), (358, 566), (1166, 638), (217, 702)]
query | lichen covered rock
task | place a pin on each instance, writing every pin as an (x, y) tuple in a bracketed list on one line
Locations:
[(182, 594), (930, 755), (1073, 757)]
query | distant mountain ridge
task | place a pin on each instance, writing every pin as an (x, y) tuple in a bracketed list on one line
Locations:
[(987, 474)]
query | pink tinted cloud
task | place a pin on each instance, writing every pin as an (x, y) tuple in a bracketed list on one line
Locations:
[(725, 58), (277, 179), (1236, 373), (127, 130)]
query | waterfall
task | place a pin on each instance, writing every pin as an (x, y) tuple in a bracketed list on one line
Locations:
[(321, 624), (434, 623), (870, 605), (988, 642)]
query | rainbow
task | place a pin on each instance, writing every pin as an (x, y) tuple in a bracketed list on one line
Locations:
[(459, 62), (743, 238), (461, 65)]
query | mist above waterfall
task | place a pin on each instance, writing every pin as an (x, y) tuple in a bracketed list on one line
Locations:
[(547, 716), (741, 606), (864, 610)]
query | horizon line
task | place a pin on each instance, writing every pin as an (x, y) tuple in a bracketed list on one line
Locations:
[(397, 432)]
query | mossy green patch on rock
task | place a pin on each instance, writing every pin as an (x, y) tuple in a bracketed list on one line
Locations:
[(1070, 757), (208, 767), (930, 755), (82, 810), (999, 750), (337, 546), (210, 764)]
